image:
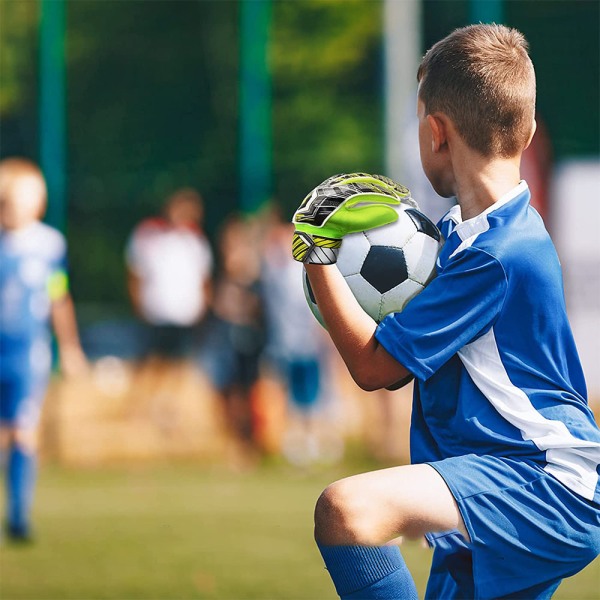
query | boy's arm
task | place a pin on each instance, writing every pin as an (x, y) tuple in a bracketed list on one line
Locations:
[(72, 358), (353, 331), (207, 291), (134, 290)]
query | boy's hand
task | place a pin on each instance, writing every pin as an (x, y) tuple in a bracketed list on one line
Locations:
[(340, 205), (73, 362)]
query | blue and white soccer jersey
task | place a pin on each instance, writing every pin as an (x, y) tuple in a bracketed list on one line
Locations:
[(500, 404), (32, 268)]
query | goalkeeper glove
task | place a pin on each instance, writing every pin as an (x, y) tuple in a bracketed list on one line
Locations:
[(344, 204)]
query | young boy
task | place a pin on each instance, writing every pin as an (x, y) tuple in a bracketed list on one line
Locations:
[(504, 482), (33, 290)]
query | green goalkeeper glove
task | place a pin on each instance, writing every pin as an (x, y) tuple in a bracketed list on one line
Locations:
[(344, 204)]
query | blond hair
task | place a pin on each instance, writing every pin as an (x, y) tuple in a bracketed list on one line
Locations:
[(481, 77)]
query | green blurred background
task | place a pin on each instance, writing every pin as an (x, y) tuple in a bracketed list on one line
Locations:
[(152, 102), (159, 94)]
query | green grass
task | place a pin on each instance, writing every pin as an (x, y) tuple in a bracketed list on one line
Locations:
[(180, 531)]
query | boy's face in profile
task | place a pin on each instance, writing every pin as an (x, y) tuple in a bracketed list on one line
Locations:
[(23, 202), (435, 164)]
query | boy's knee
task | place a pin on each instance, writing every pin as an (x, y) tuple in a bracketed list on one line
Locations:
[(343, 517), (27, 439)]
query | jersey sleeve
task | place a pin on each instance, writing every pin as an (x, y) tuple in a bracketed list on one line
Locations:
[(457, 307), (58, 278)]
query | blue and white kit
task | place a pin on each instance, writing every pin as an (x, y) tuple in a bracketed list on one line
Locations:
[(500, 407), (32, 263)]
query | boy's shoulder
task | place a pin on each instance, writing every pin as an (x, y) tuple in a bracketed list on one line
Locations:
[(37, 239), (48, 236)]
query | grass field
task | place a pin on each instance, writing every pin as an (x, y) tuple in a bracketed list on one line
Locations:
[(181, 531)]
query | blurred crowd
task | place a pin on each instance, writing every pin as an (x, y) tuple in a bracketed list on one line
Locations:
[(238, 312), (234, 313)]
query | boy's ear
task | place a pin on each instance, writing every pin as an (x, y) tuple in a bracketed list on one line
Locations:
[(438, 132), (533, 129)]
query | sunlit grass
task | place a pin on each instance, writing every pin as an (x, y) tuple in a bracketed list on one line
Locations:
[(180, 531)]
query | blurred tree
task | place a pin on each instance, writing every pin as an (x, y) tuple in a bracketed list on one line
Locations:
[(18, 77), (327, 105), (152, 103), (157, 107), (152, 106)]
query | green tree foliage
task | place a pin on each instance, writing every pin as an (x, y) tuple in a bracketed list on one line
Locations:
[(18, 25), (152, 103), (18, 76), (326, 62), (152, 107)]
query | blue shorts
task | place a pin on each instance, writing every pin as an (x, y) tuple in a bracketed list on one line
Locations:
[(21, 399), (528, 531)]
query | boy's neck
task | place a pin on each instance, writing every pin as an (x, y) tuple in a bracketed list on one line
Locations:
[(16, 227), (480, 182)]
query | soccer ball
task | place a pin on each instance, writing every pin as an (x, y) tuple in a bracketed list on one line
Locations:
[(388, 266)]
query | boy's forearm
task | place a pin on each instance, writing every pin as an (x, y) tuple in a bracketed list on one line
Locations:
[(133, 288), (352, 330), (65, 327)]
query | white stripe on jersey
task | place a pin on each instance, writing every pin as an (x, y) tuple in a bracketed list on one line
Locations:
[(572, 461), (479, 227)]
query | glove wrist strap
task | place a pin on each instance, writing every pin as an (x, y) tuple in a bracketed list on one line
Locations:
[(307, 248), (322, 256)]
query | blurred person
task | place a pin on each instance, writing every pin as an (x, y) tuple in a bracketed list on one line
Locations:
[(234, 340), (169, 278), (34, 298), (169, 268), (296, 348)]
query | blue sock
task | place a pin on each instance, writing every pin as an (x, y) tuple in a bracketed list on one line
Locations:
[(20, 481), (369, 572)]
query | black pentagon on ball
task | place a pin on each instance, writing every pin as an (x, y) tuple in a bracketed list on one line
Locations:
[(384, 268), (423, 224)]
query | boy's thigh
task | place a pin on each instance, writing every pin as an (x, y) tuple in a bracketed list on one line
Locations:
[(399, 501)]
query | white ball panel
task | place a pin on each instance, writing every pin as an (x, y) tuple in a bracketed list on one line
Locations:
[(420, 253), (368, 297), (394, 234), (353, 252), (395, 300)]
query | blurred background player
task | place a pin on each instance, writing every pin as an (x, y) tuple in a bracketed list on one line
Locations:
[(169, 269), (33, 294), (234, 340), (296, 349)]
